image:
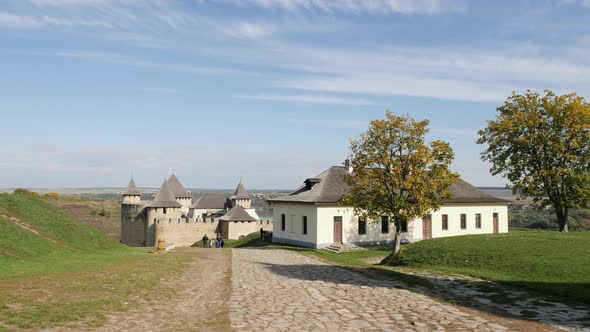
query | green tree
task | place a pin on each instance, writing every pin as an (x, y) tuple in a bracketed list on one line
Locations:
[(541, 145), (397, 173)]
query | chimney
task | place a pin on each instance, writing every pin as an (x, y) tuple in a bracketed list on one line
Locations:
[(348, 165)]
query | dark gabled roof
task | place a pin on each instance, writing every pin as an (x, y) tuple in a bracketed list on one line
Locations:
[(164, 198), (177, 188), (131, 189), (331, 187), (240, 192), (210, 202), (327, 187), (466, 193), (237, 213)]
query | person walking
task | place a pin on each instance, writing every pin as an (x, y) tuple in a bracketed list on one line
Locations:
[(205, 241)]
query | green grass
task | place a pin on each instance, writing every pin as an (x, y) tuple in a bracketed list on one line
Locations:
[(65, 244), (549, 262), (69, 272)]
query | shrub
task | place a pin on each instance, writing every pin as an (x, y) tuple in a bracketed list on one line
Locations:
[(52, 195), (25, 192)]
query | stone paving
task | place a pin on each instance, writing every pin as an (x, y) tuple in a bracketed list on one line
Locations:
[(278, 290), (500, 298)]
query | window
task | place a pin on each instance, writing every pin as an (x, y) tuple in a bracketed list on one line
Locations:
[(463, 221), (404, 227), (282, 222), (362, 226), (384, 224), (478, 220), (445, 222), (164, 210), (304, 224)]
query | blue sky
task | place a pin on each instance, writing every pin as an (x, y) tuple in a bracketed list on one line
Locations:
[(93, 91)]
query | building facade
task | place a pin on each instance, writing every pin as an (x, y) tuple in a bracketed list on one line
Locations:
[(312, 217)]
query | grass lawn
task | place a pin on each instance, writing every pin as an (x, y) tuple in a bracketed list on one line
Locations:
[(549, 262), (56, 270)]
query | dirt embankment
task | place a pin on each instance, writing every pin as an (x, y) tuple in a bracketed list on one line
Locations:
[(105, 216)]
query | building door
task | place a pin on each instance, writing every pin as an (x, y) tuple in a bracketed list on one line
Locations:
[(427, 227), (496, 223), (337, 229)]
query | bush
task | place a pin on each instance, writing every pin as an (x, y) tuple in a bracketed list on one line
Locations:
[(25, 192), (52, 195)]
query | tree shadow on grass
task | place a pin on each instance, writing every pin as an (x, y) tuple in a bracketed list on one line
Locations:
[(492, 298)]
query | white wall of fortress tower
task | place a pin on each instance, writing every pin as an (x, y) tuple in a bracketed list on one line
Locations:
[(132, 199), (244, 202), (186, 202), (153, 215)]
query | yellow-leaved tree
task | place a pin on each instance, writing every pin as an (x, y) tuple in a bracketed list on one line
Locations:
[(397, 173), (541, 144)]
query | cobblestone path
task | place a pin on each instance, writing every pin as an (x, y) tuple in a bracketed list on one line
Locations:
[(279, 290)]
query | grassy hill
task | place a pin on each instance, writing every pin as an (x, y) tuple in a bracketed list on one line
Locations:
[(550, 262), (61, 271), (37, 238)]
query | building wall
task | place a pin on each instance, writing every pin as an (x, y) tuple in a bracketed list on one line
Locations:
[(321, 224), (132, 199), (244, 202), (293, 233), (154, 214), (198, 213), (182, 233), (454, 220), (186, 203), (132, 225), (235, 229)]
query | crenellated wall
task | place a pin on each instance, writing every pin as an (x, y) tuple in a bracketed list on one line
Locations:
[(184, 232)]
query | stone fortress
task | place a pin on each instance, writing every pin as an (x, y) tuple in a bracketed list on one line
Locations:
[(174, 217)]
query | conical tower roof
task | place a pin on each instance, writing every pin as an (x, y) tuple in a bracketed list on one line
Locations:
[(131, 189), (240, 192), (164, 198), (237, 213), (177, 188)]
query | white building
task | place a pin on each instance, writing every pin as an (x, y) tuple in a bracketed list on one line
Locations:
[(312, 217)]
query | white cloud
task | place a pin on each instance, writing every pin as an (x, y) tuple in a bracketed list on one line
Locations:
[(82, 3), (471, 75), (381, 7), (585, 3), (52, 166), (107, 57), (22, 21), (311, 99), (249, 30)]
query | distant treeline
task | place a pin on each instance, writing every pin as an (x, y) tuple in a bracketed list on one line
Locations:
[(525, 217)]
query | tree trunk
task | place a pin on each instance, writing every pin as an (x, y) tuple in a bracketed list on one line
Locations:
[(562, 216), (396, 242)]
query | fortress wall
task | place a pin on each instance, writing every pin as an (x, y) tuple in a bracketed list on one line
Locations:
[(184, 234), (132, 225)]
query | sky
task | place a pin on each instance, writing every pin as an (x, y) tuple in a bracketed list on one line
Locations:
[(95, 91)]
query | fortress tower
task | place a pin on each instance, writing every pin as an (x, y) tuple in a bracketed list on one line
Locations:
[(164, 207), (132, 194), (241, 197), (132, 217), (182, 195)]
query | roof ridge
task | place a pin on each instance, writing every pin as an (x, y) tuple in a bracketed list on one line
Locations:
[(164, 197)]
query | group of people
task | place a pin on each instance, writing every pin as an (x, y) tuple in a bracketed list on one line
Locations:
[(210, 243)]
